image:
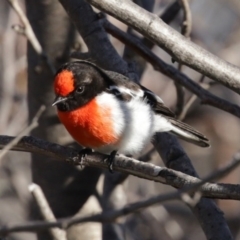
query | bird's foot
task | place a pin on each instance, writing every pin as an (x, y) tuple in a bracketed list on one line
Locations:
[(110, 160), (77, 160), (84, 152)]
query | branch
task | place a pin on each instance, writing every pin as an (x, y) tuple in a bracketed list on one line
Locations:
[(25, 131), (27, 29), (169, 14), (180, 98), (171, 72), (110, 216), (187, 23), (30, 35), (134, 60), (129, 166), (171, 41), (186, 31), (46, 211), (192, 99)]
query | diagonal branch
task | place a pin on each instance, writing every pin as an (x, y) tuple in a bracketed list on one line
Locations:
[(187, 23), (169, 14), (25, 131), (30, 35), (186, 31), (171, 41), (108, 216), (27, 30), (46, 211), (171, 72), (131, 166)]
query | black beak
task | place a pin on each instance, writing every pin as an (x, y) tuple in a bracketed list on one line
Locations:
[(59, 99)]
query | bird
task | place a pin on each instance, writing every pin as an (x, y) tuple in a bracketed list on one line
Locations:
[(106, 112)]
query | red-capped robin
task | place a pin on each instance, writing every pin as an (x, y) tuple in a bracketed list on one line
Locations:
[(107, 112)]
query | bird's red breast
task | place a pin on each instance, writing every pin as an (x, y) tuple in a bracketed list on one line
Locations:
[(90, 125)]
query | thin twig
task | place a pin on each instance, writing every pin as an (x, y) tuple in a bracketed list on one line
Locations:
[(27, 27), (171, 225), (25, 131), (187, 22), (186, 31), (180, 98), (30, 35), (190, 102), (192, 201), (8, 73), (46, 211)]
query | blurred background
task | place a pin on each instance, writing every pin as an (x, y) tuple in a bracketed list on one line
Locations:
[(215, 27)]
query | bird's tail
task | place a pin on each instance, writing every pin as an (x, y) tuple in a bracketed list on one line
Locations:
[(187, 133)]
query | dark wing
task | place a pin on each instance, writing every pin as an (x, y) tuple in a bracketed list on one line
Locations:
[(156, 103), (125, 90)]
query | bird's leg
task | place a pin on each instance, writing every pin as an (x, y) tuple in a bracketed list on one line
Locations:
[(77, 160), (110, 160)]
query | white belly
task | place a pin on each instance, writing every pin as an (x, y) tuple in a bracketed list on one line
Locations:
[(134, 123)]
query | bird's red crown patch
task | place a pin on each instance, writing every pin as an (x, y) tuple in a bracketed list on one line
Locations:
[(64, 83)]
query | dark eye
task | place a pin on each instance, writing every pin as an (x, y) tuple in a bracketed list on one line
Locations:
[(80, 89)]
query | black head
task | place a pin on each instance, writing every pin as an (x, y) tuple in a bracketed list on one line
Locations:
[(76, 83)]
